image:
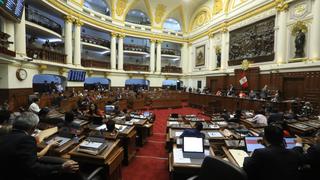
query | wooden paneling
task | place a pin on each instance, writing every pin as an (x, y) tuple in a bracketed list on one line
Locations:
[(301, 84), (16, 97)]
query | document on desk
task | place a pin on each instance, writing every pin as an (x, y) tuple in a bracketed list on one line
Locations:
[(88, 144), (173, 123), (60, 140), (215, 134), (238, 156), (121, 128), (178, 156)]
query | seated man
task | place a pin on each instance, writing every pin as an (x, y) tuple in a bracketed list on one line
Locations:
[(275, 116), (194, 132), (111, 126), (260, 118), (311, 157), (252, 95), (34, 106), (274, 161), (18, 153), (67, 128)]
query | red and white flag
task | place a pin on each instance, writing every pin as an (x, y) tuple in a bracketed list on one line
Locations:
[(243, 81)]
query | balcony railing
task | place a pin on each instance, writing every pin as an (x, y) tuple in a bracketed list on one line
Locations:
[(95, 63), (171, 69), (46, 55), (135, 67), (130, 47), (36, 17), (173, 52), (94, 40), (4, 44)]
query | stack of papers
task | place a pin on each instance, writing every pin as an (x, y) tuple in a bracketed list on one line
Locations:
[(178, 156), (60, 140), (102, 127)]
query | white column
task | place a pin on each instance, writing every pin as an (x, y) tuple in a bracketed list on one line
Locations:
[(20, 36), (68, 39), (77, 43), (184, 58), (158, 68), (315, 32), (212, 54), (152, 55), (190, 58), (281, 41), (10, 30), (113, 50), (120, 52), (224, 49)]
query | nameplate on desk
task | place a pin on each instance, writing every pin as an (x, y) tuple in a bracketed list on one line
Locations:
[(215, 135)]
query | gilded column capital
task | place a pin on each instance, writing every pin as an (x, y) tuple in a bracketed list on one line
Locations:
[(211, 35), (69, 19), (224, 28), (153, 40), (281, 5), (78, 22), (114, 34), (159, 41), (121, 36)]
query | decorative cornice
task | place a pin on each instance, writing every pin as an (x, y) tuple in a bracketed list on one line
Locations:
[(121, 35), (224, 28), (42, 67), (153, 40), (159, 41), (114, 34)]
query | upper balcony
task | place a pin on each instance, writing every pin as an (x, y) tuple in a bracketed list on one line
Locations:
[(34, 16), (4, 45)]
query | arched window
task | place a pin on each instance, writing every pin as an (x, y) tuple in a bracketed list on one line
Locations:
[(138, 17), (98, 5), (97, 83), (172, 24), (48, 83)]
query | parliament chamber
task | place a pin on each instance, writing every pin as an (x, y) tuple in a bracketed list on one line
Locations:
[(159, 90)]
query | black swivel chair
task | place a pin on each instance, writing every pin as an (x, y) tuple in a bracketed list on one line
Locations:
[(216, 168)]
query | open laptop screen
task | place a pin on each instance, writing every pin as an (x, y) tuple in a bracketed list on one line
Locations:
[(193, 145), (252, 143)]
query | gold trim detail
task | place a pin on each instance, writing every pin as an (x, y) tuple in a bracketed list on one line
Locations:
[(121, 36), (121, 6), (42, 67), (299, 25), (62, 71), (153, 40), (78, 2), (217, 8), (281, 5), (160, 10), (78, 22), (69, 19)]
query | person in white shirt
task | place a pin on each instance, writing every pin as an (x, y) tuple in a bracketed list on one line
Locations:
[(260, 118), (34, 107)]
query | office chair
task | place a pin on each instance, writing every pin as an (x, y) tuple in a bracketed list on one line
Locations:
[(220, 170)]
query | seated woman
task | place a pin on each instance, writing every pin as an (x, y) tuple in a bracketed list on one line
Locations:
[(260, 118)]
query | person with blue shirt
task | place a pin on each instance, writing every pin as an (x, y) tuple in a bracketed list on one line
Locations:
[(194, 132)]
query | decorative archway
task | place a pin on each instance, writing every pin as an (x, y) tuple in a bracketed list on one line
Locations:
[(43, 83)]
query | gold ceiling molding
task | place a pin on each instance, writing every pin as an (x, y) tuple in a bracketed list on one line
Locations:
[(121, 6), (69, 19), (160, 10), (78, 22), (217, 7), (132, 4), (202, 17), (78, 2)]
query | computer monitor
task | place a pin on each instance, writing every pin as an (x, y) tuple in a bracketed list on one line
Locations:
[(252, 143), (146, 114), (109, 108), (193, 145)]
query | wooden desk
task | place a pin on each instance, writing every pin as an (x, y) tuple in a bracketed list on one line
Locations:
[(110, 158), (250, 124), (185, 170), (231, 103), (128, 142), (300, 128)]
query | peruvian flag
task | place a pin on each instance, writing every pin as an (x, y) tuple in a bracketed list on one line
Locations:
[(243, 81)]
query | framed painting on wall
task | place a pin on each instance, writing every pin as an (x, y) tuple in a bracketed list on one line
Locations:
[(200, 56)]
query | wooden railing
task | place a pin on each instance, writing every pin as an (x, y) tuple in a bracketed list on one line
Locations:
[(46, 55), (35, 17), (171, 69), (135, 67), (95, 63), (94, 40), (130, 47)]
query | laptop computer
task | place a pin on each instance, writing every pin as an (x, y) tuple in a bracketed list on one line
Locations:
[(193, 147), (252, 143)]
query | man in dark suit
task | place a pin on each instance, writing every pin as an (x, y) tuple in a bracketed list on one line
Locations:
[(311, 158), (274, 162), (194, 132), (275, 116), (18, 154)]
